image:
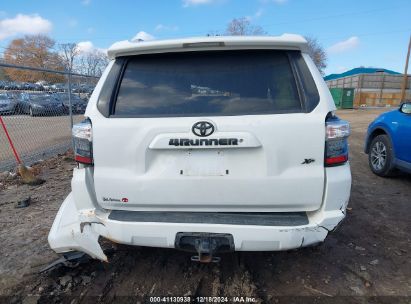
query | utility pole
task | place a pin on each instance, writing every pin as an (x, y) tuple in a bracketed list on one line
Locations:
[(404, 81)]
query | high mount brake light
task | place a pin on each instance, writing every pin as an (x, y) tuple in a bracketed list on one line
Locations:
[(336, 141), (203, 44), (83, 142)]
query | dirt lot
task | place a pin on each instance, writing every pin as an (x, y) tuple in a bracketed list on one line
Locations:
[(367, 260)]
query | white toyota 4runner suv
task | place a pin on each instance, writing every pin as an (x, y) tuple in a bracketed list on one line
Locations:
[(207, 145)]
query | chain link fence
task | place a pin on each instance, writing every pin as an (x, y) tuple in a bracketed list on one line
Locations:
[(37, 109)]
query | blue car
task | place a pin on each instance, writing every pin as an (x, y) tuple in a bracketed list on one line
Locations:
[(388, 141)]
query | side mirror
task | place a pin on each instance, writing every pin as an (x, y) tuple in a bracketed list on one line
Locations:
[(406, 107)]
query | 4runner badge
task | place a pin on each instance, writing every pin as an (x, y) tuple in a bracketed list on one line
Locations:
[(203, 129), (204, 142)]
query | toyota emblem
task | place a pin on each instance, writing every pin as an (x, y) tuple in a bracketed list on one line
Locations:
[(203, 128)]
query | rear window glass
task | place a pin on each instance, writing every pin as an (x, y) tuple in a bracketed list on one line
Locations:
[(208, 84)]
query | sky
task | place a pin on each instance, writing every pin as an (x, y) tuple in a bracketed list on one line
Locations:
[(370, 33)]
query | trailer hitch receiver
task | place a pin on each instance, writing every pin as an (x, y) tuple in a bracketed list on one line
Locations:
[(205, 245)]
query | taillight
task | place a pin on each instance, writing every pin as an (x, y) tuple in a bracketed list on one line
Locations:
[(83, 142), (336, 141)]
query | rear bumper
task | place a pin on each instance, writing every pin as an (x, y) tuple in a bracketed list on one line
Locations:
[(80, 222)]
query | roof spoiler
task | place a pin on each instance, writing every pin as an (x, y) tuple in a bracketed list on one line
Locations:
[(137, 47)]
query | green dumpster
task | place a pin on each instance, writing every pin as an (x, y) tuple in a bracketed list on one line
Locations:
[(337, 96), (347, 99), (343, 98)]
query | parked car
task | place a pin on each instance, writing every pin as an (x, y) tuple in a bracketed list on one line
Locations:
[(37, 87), (58, 87), (19, 86), (207, 145), (40, 85), (39, 104), (78, 105), (28, 86), (46, 87), (388, 141), (10, 85), (8, 104), (87, 96)]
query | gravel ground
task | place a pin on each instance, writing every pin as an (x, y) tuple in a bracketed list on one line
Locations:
[(367, 260)]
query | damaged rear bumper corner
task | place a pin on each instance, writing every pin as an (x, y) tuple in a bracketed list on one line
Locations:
[(72, 231)]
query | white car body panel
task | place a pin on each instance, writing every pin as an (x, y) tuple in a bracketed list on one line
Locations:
[(264, 173)]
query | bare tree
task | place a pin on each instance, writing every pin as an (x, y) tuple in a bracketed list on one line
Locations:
[(33, 51), (68, 54), (317, 53), (93, 63), (243, 27)]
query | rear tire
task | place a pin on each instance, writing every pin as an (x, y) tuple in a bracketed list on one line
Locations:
[(381, 156)]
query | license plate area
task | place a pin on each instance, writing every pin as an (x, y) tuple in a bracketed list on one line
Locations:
[(204, 242), (204, 163)]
